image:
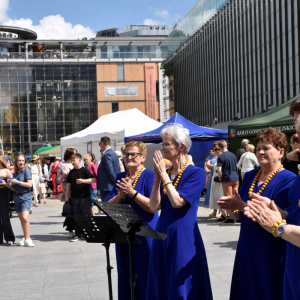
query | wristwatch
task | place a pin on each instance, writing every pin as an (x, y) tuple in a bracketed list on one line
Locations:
[(280, 229)]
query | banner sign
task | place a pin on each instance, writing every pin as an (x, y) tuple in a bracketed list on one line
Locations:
[(247, 132), (150, 79), (164, 96)]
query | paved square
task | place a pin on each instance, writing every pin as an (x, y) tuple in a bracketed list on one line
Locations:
[(57, 269)]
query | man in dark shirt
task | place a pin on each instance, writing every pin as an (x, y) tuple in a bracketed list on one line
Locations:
[(79, 180), (227, 171)]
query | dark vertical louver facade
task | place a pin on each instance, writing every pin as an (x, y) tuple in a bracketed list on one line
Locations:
[(244, 58)]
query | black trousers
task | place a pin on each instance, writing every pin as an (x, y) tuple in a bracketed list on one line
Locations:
[(5, 225), (80, 207)]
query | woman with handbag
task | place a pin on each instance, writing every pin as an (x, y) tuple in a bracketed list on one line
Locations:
[(248, 160), (216, 191), (36, 172)]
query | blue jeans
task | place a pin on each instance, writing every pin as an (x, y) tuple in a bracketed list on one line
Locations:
[(104, 195), (93, 195)]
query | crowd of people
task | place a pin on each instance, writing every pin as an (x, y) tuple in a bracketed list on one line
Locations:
[(255, 190)]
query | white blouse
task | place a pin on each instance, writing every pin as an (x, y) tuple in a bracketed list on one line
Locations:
[(248, 162)]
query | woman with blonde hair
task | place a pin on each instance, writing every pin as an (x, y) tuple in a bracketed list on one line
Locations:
[(21, 184), (134, 188), (5, 225), (248, 160), (36, 172)]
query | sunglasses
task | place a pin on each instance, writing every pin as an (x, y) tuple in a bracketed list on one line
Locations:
[(217, 149)]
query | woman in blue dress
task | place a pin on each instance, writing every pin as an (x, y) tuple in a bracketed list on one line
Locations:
[(178, 266), (134, 188), (268, 214), (260, 259), (210, 166)]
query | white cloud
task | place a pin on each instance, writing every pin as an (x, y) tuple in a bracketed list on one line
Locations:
[(162, 14), (152, 22), (50, 27)]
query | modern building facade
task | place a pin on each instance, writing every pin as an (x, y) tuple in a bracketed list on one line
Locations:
[(53, 88), (235, 56)]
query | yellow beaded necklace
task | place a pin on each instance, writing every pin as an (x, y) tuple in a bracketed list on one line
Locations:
[(135, 181), (179, 175), (265, 183)]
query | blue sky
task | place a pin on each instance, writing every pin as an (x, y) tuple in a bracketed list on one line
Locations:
[(78, 18)]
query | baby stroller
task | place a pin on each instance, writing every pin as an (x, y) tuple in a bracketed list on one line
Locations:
[(11, 204)]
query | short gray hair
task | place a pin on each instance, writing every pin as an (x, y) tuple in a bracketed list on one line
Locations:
[(180, 135), (245, 142)]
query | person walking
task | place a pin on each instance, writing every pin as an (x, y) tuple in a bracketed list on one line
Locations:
[(62, 176), (36, 172), (22, 184), (42, 189), (216, 189), (108, 169), (93, 187), (248, 161), (238, 155), (227, 171), (78, 183), (5, 225), (210, 165), (53, 175)]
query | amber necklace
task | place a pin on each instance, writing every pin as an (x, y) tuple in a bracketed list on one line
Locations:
[(179, 175), (135, 181), (265, 183)]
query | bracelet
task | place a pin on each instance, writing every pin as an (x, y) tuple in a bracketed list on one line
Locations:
[(121, 196), (234, 211), (133, 197), (166, 183), (276, 225)]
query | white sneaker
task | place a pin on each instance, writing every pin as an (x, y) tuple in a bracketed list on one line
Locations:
[(22, 242), (29, 243)]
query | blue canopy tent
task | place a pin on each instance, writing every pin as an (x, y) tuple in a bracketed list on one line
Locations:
[(202, 137)]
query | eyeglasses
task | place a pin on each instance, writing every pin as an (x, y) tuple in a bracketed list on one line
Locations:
[(167, 145), (132, 155)]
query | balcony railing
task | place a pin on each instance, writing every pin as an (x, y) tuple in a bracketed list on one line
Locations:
[(81, 55)]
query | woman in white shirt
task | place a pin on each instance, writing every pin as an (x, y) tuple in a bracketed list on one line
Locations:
[(248, 160), (35, 169)]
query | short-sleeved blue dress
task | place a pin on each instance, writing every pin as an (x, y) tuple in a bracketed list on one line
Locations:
[(291, 286), (260, 258), (141, 252), (178, 266)]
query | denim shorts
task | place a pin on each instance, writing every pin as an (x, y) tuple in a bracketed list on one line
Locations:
[(22, 203), (93, 195)]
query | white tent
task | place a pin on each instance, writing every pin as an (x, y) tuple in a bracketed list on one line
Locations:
[(116, 126)]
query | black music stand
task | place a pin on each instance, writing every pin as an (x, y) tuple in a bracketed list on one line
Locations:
[(125, 217), (102, 229)]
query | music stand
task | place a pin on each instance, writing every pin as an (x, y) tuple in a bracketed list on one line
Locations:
[(126, 218), (102, 229)]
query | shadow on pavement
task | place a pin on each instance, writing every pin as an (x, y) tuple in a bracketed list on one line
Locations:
[(214, 222), (232, 245)]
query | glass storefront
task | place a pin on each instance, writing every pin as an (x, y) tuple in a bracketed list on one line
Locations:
[(41, 103)]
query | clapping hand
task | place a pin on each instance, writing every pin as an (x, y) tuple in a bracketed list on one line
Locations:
[(125, 186), (258, 200), (159, 164), (231, 202), (264, 215)]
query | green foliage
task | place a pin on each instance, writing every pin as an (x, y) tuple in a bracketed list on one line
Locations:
[(167, 70)]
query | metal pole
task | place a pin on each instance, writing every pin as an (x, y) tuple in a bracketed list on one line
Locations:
[(108, 269)]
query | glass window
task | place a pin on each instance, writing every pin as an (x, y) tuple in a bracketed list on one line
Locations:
[(114, 107), (120, 72)]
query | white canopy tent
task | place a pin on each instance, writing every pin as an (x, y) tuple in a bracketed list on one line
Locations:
[(116, 126)]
